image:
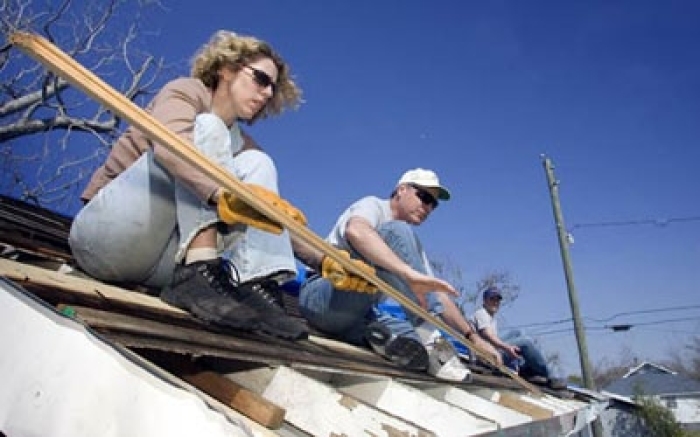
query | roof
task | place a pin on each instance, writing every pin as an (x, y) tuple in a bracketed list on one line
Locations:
[(653, 379), (273, 387), (647, 367)]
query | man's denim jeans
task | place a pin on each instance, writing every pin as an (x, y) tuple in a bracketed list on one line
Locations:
[(532, 362), (345, 314)]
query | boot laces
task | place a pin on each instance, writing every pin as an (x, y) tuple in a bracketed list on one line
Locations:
[(269, 292), (266, 289), (220, 276)]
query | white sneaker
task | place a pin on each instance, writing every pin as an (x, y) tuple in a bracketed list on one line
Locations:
[(445, 363)]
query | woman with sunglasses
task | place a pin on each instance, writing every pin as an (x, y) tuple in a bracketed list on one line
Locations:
[(151, 219)]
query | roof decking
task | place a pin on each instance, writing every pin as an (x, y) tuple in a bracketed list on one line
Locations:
[(312, 387)]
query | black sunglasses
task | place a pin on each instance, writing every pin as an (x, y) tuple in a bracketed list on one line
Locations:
[(425, 196), (262, 79)]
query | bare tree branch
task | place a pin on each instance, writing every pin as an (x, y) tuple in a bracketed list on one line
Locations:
[(52, 137), (33, 126), (30, 99)]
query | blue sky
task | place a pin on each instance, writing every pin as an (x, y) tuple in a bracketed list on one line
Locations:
[(477, 91)]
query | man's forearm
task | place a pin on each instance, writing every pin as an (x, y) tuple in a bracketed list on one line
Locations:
[(368, 243), (307, 254), (453, 316), (488, 335)]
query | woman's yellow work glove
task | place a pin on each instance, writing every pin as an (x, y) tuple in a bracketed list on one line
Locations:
[(344, 280), (233, 209)]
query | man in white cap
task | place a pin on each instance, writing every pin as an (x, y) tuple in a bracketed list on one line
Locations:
[(379, 232)]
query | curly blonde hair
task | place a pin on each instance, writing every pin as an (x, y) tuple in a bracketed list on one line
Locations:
[(225, 48)]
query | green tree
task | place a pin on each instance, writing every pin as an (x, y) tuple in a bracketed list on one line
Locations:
[(658, 419)]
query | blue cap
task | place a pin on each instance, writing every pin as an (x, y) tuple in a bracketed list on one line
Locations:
[(492, 292)]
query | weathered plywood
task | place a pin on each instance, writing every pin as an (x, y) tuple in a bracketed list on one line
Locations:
[(88, 289), (319, 409), (478, 406), (516, 401), (412, 404)]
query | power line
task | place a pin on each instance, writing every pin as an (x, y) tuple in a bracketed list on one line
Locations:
[(626, 327), (532, 325), (608, 319), (652, 311), (657, 322), (654, 222), (670, 330)]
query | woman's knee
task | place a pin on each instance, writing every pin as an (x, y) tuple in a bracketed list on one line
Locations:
[(256, 166)]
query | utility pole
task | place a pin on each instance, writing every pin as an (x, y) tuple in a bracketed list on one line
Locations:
[(553, 185)]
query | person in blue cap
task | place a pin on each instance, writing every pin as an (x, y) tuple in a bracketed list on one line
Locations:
[(519, 352)]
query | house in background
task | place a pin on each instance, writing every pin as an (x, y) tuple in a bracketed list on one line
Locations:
[(681, 395)]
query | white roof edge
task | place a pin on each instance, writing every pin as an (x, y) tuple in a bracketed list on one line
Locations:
[(634, 370)]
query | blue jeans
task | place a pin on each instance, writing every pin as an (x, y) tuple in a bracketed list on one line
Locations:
[(532, 362), (140, 225), (345, 314)]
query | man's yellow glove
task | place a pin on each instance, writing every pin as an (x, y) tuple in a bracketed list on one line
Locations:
[(344, 280), (233, 209)]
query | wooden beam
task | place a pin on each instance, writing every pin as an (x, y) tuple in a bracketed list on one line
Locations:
[(237, 397), (87, 289), (517, 403), (200, 342)]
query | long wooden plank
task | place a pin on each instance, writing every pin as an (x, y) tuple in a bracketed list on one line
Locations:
[(517, 403), (251, 350), (317, 364), (87, 289), (60, 63), (293, 354)]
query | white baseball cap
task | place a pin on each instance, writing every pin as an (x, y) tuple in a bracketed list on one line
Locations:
[(424, 178)]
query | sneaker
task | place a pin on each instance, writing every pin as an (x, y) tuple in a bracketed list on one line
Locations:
[(403, 351), (537, 379), (204, 289), (557, 383), (265, 297), (445, 363)]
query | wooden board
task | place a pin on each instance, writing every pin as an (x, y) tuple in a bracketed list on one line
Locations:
[(266, 351), (516, 402), (237, 397), (87, 289)]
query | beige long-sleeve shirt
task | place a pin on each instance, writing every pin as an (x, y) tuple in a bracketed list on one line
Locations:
[(176, 106)]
